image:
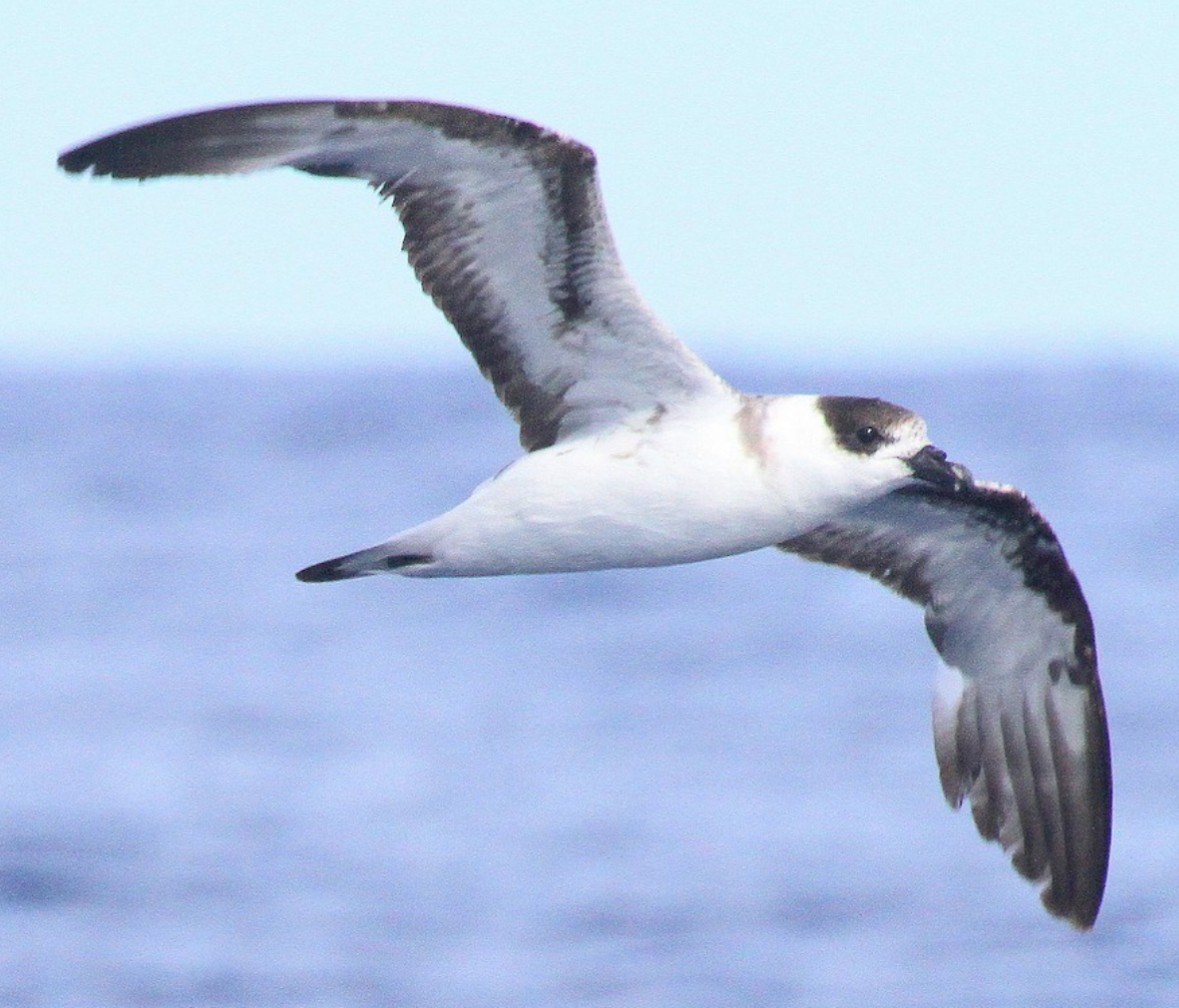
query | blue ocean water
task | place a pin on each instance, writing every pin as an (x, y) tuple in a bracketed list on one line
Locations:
[(701, 786)]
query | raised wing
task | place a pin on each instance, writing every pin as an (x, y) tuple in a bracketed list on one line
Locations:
[(1020, 725), (504, 226)]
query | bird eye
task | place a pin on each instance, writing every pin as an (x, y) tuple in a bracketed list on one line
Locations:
[(869, 437)]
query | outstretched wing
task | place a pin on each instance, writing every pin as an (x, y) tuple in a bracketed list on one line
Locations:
[(504, 226), (1019, 723)]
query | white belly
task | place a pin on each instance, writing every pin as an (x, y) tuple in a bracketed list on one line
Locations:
[(591, 504)]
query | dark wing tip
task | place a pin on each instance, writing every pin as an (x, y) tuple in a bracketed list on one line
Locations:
[(1088, 807), (75, 160), (101, 157), (140, 151), (137, 153), (230, 138), (193, 143), (1080, 913), (1078, 900)]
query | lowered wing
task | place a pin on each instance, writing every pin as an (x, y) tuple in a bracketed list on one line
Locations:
[(1019, 722)]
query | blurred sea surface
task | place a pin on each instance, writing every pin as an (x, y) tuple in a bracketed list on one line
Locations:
[(709, 785)]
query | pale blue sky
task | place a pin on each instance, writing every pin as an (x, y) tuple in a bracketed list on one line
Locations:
[(830, 182)]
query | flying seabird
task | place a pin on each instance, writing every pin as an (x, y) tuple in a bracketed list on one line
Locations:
[(638, 454)]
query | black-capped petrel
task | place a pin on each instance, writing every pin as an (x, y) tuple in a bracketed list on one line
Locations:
[(638, 455)]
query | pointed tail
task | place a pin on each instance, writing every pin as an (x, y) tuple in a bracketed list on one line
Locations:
[(376, 560)]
